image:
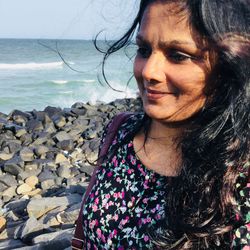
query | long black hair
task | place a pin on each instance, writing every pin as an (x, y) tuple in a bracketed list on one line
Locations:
[(201, 213)]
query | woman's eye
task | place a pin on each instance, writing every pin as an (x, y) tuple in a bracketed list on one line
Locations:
[(178, 57), (143, 52)]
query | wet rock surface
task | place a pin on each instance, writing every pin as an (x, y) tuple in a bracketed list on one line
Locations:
[(45, 168)]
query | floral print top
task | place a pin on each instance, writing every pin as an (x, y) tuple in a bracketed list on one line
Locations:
[(127, 199)]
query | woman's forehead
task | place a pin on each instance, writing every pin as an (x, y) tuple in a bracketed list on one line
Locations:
[(165, 19)]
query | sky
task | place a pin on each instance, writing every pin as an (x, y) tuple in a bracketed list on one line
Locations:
[(65, 19)]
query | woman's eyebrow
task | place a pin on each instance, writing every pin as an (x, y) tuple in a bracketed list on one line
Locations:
[(172, 43), (178, 43), (139, 38)]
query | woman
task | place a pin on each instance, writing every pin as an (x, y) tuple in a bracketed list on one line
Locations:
[(176, 176)]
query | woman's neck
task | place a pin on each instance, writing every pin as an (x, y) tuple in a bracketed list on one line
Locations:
[(165, 133)]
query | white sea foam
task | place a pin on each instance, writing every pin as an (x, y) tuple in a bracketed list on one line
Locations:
[(88, 81), (60, 81), (109, 94), (31, 66)]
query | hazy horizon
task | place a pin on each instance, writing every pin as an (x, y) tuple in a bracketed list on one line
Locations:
[(65, 19)]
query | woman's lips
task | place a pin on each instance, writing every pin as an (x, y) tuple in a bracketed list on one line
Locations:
[(155, 94)]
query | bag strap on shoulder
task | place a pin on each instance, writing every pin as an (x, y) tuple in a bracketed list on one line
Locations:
[(78, 239)]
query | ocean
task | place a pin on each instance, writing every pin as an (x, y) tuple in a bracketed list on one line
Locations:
[(38, 73)]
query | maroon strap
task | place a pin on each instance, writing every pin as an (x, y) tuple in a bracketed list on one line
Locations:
[(78, 239)]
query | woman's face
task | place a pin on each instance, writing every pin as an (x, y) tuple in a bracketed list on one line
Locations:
[(170, 66)]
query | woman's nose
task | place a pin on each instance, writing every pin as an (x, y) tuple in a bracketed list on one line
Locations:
[(154, 68)]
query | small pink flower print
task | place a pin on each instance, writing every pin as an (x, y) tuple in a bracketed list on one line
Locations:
[(123, 194), (107, 196), (115, 195), (96, 223), (110, 174), (124, 221), (92, 224), (237, 217), (130, 171), (115, 232), (96, 193), (96, 200), (92, 196), (145, 200), (116, 217), (99, 233), (148, 219), (157, 216), (146, 238), (133, 161), (111, 203), (103, 238), (123, 161), (95, 208)]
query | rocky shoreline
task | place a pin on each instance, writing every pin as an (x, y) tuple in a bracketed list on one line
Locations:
[(45, 167)]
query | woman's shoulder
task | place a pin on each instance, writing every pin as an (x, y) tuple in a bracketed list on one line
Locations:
[(129, 123)]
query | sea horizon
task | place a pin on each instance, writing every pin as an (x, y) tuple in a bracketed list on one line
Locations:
[(33, 73)]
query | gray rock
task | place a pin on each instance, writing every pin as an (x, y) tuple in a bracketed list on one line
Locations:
[(9, 193), (47, 184), (39, 207), (46, 175), (23, 189), (56, 241), (18, 206), (52, 111), (59, 120), (34, 125), (35, 247), (14, 145), (27, 154), (66, 145), (31, 166), (41, 138), (78, 105), (8, 180), (25, 174), (12, 167), (6, 156), (19, 119), (30, 229), (50, 128), (12, 127), (41, 150), (11, 244), (70, 215), (17, 112), (20, 132), (89, 134), (26, 139), (88, 169), (62, 136), (78, 111), (60, 158), (3, 122), (64, 171)]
